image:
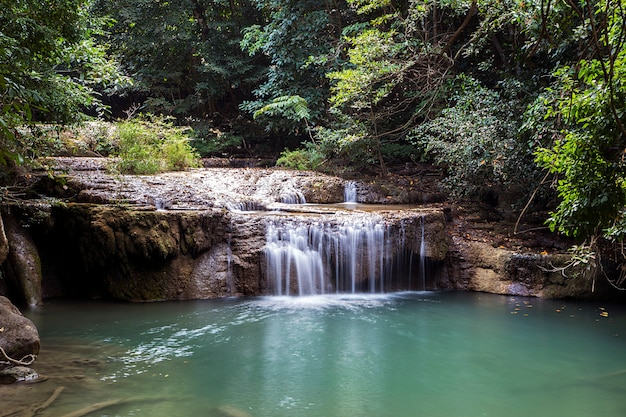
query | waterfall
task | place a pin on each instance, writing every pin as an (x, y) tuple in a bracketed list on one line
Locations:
[(229, 262), (349, 192), (293, 197), (422, 274), (246, 206), (161, 204), (295, 251), (316, 256)]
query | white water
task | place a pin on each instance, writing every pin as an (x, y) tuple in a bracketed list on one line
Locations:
[(354, 256), (422, 274), (349, 192), (293, 197)]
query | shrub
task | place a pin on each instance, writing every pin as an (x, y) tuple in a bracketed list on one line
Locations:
[(152, 144), (300, 159), (213, 143), (477, 140)]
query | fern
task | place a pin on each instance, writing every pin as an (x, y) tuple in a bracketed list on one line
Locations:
[(293, 108)]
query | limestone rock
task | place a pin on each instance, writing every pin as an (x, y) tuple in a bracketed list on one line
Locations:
[(17, 374), (24, 264), (504, 271), (4, 242), (18, 334)]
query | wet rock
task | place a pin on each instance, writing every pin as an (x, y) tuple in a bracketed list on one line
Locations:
[(191, 234), (18, 374), (23, 262), (138, 255), (18, 335), (508, 272), (4, 242)]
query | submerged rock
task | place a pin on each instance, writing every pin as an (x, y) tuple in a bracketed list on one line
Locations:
[(228, 411), (18, 374)]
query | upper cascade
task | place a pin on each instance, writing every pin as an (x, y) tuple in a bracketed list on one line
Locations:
[(350, 192), (316, 255)]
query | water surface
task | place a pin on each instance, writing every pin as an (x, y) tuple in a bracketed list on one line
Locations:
[(409, 354)]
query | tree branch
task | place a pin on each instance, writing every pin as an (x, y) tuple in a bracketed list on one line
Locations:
[(470, 13)]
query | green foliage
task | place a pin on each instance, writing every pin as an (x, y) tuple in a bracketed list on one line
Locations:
[(214, 143), (370, 78), (152, 144), (290, 108), (49, 70), (308, 158), (294, 40), (184, 55), (397, 68), (587, 103), (347, 144), (476, 140)]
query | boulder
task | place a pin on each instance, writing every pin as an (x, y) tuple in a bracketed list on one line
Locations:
[(508, 272), (19, 338)]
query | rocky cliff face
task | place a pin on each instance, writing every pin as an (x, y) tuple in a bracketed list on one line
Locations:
[(138, 255), (146, 255), (202, 234)]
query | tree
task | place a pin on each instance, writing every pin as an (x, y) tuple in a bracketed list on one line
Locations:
[(587, 104), (399, 60), (295, 40), (476, 140), (184, 55), (49, 69)]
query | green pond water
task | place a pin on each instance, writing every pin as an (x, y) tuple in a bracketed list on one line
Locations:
[(409, 354)]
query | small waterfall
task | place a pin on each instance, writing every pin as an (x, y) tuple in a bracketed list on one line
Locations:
[(293, 197), (349, 192), (229, 260), (422, 272), (246, 206), (316, 257), (161, 204), (295, 251)]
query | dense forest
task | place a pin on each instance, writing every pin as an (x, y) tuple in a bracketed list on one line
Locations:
[(528, 95)]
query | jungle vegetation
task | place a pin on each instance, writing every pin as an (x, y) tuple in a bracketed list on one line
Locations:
[(501, 94)]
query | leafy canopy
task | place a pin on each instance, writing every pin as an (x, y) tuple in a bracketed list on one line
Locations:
[(50, 68), (588, 104)]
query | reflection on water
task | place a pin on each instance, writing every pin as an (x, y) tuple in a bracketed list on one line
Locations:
[(408, 354)]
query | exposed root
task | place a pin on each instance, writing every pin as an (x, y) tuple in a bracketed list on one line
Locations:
[(95, 407), (32, 410), (105, 404), (25, 361), (48, 402)]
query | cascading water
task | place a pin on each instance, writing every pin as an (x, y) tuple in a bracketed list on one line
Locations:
[(422, 274), (293, 197), (362, 254), (349, 192)]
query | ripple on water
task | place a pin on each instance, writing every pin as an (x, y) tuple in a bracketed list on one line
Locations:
[(352, 302), (166, 343)]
